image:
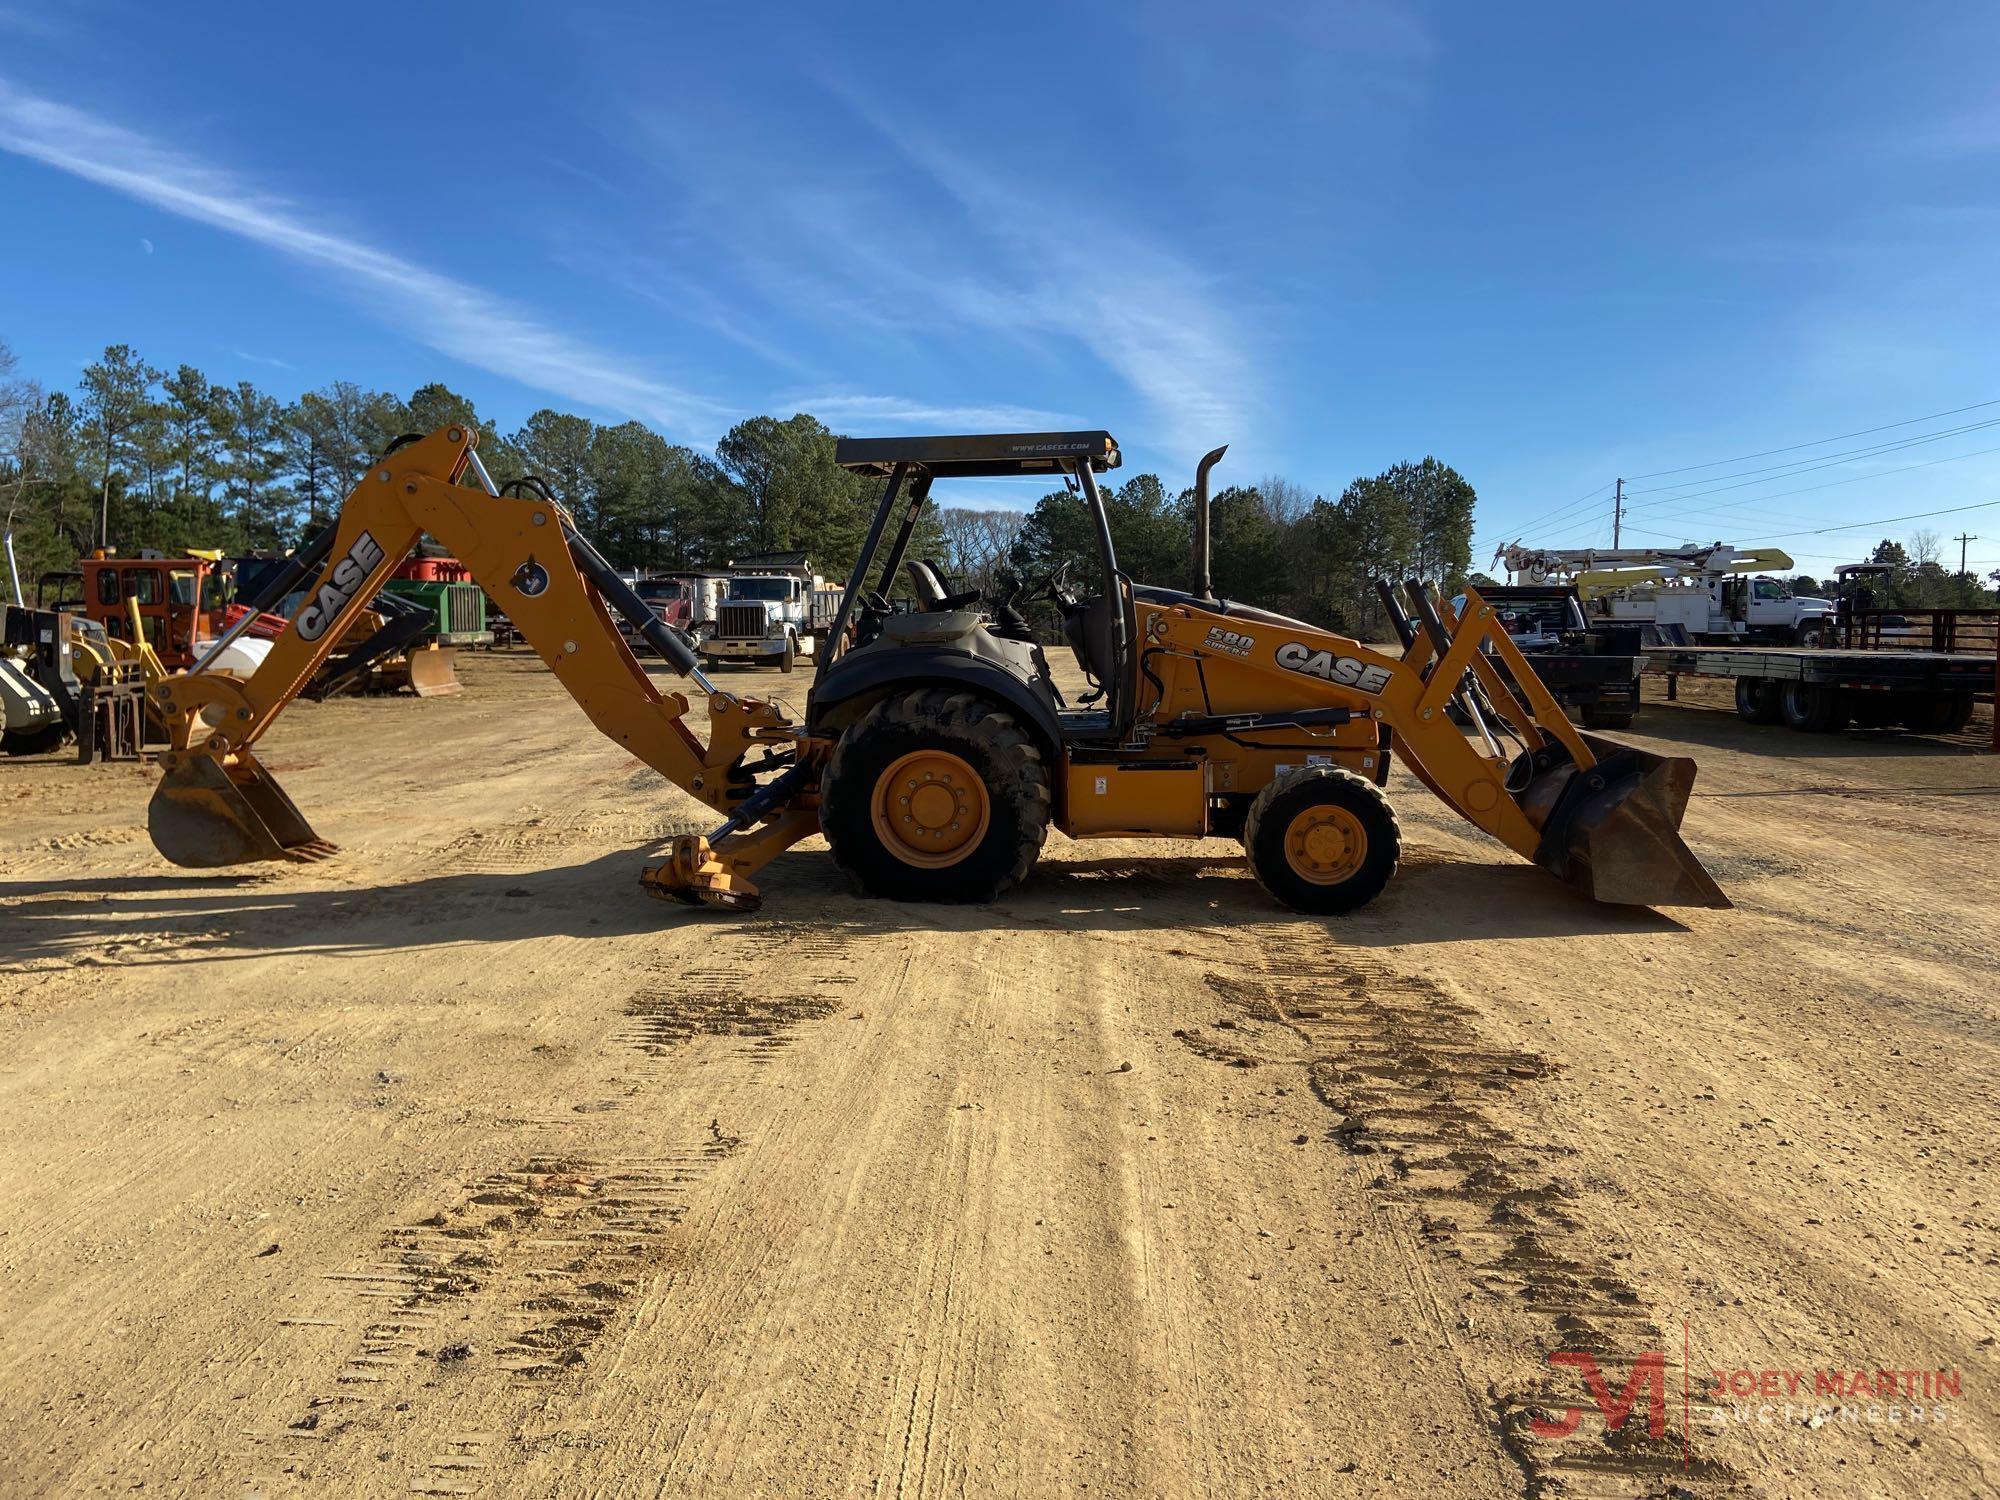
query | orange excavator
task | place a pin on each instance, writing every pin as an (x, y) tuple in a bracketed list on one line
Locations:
[(935, 751)]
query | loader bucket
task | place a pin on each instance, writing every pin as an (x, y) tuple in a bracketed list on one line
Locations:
[(433, 672), (205, 815), (1613, 831)]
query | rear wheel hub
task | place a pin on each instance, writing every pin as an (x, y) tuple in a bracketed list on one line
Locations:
[(931, 809)]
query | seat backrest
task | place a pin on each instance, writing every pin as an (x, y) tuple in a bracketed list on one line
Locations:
[(925, 583), (1095, 642)]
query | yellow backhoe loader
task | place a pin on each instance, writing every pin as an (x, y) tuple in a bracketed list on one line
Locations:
[(935, 751)]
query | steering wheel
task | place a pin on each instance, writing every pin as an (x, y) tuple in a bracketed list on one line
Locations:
[(1054, 586)]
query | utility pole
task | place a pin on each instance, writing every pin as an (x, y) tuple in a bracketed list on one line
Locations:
[(1618, 515), (1962, 539)]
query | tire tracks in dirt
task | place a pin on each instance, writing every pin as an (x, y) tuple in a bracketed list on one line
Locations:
[(1474, 1174), (494, 1305)]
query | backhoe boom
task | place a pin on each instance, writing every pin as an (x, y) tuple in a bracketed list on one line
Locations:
[(217, 805)]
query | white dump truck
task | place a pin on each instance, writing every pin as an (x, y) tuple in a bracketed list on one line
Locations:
[(776, 612)]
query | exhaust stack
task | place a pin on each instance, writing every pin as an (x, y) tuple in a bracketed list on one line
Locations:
[(1204, 586)]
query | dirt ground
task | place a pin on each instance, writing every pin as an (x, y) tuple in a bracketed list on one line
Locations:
[(457, 1165)]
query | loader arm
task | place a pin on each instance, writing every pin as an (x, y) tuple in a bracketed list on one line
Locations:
[(217, 805), (1601, 815)]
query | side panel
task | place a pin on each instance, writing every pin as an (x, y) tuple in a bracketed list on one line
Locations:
[(1136, 800)]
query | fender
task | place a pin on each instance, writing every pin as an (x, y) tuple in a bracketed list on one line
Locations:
[(862, 676)]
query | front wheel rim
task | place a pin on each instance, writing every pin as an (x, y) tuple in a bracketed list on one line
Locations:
[(930, 809), (1326, 845)]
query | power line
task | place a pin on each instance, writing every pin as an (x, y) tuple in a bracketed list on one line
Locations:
[(1830, 484), (1818, 442), (1551, 517), (1859, 478), (1920, 515), (1817, 461)]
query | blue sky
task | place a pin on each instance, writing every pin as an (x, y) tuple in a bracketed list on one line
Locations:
[(1550, 245)]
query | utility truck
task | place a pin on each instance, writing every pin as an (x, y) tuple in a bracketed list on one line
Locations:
[(1693, 595), (777, 611)]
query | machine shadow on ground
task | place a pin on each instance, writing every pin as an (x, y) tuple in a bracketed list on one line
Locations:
[(1717, 728), (168, 918)]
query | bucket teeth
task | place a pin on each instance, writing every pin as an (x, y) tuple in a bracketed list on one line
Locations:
[(206, 815)]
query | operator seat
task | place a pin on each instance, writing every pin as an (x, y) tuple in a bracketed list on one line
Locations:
[(926, 585), (1091, 632)]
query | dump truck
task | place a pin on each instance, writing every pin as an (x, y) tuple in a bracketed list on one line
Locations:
[(689, 602), (777, 611), (935, 751)]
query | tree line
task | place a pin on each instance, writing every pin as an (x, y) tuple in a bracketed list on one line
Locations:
[(139, 457), (1272, 544)]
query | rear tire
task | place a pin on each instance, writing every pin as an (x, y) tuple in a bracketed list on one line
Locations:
[(1812, 707), (1757, 700), (1940, 714), (33, 741), (1596, 716), (936, 742), (1322, 840)]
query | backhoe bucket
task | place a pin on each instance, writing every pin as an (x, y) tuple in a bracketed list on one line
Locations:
[(206, 814), (433, 672), (1613, 831)]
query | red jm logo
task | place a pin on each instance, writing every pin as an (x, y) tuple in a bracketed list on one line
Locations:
[(1649, 1378)]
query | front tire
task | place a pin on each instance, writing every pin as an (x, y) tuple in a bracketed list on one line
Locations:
[(1322, 840), (789, 657), (935, 795)]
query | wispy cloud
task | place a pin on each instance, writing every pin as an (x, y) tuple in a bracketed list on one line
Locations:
[(913, 244), (451, 316), (836, 408), (1158, 322), (263, 359)]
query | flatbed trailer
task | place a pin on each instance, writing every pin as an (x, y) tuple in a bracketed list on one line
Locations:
[(1818, 689)]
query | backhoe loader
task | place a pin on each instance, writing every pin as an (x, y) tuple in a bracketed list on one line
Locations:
[(935, 750)]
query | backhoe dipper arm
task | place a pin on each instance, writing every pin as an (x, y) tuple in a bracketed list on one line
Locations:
[(217, 805)]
